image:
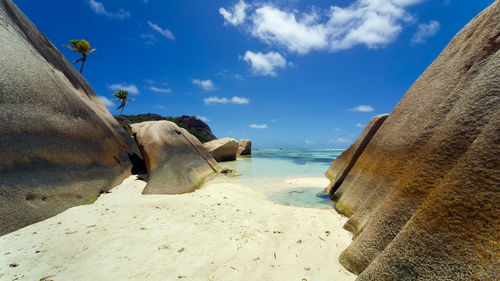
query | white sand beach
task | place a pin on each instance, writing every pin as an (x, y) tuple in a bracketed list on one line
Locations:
[(223, 231)]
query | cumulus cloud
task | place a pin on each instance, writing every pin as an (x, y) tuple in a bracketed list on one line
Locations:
[(275, 26), (107, 102), (340, 140), (235, 15), (425, 31), (359, 125), (99, 9), (207, 85), (373, 23), (163, 31), (160, 90), (240, 100), (258, 126), (233, 100), (362, 108), (265, 64), (203, 118), (130, 88)]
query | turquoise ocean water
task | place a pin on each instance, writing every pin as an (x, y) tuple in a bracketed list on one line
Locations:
[(266, 170)]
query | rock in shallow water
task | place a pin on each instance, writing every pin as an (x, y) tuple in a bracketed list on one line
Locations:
[(424, 196), (59, 145), (223, 149), (245, 147), (176, 161)]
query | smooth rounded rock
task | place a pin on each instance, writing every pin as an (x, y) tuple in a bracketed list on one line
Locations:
[(224, 149), (245, 147), (176, 161), (59, 145)]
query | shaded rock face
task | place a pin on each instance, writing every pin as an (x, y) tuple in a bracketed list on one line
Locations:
[(424, 196), (223, 149), (339, 169), (244, 147), (176, 161), (59, 145)]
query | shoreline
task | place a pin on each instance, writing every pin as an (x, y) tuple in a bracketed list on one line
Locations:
[(223, 231)]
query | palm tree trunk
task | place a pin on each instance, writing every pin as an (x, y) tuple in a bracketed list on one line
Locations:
[(121, 111), (83, 63)]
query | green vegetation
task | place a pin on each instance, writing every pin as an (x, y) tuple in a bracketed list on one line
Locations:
[(122, 96), (82, 47), (126, 120), (126, 127)]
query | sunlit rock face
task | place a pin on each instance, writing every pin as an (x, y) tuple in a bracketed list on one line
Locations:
[(59, 145), (222, 150), (424, 196), (176, 161), (339, 169)]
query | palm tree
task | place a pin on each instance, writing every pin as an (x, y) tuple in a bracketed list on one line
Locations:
[(81, 47), (122, 96)]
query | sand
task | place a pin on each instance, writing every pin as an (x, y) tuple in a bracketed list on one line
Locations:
[(223, 231)]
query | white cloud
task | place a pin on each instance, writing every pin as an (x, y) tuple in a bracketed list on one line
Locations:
[(340, 140), (359, 125), (272, 25), (160, 90), (233, 100), (373, 23), (164, 32), (160, 106), (235, 15), (99, 9), (131, 88), (274, 120), (337, 129), (362, 108), (148, 38), (265, 64), (207, 85), (309, 142), (214, 100), (107, 102), (258, 126), (203, 118), (240, 100), (425, 30)]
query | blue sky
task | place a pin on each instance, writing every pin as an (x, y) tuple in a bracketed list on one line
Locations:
[(291, 74)]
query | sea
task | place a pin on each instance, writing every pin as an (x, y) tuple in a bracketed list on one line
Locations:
[(271, 172)]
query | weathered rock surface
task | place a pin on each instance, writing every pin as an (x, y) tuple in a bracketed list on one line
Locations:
[(176, 161), (245, 147), (424, 196), (339, 169), (223, 149), (59, 145)]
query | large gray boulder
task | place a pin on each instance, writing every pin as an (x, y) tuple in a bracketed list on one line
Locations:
[(59, 145), (424, 196), (244, 147), (340, 167), (223, 149), (176, 161)]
